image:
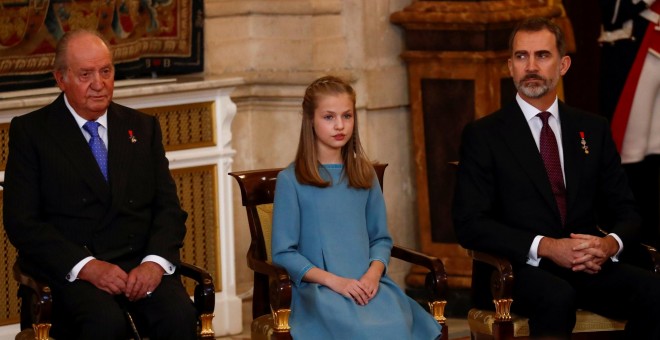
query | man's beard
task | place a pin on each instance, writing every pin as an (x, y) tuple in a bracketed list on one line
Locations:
[(533, 90)]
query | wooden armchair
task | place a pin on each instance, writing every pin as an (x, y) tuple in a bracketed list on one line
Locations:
[(501, 324), (271, 303), (37, 302)]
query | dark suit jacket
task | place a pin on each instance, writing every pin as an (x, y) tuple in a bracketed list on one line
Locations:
[(58, 208), (503, 197)]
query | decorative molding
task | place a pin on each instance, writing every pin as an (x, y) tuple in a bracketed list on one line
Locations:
[(469, 13), (226, 8)]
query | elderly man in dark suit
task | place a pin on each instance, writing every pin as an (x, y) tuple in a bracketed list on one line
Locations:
[(92, 208), (536, 179)]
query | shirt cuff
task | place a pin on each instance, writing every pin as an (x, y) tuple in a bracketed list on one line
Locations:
[(168, 267), (73, 274), (533, 255), (615, 258)]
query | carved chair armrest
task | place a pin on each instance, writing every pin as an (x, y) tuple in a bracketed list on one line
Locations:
[(655, 257), (204, 297), (501, 282), (204, 290), (279, 293), (436, 279), (40, 305), (502, 279)]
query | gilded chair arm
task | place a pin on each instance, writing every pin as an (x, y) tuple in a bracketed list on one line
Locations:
[(279, 291), (194, 272), (204, 297), (280, 282), (436, 280), (502, 279), (39, 307), (204, 290), (501, 283), (655, 257), (44, 300), (415, 257), (268, 268)]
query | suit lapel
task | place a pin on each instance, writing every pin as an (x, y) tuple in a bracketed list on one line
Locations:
[(573, 153), (65, 132), (119, 151), (515, 131)]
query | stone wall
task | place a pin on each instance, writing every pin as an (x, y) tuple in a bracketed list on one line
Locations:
[(279, 47)]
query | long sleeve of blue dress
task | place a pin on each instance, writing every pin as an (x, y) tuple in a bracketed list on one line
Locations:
[(286, 229)]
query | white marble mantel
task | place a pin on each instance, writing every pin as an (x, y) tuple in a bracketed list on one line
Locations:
[(164, 92), (18, 102)]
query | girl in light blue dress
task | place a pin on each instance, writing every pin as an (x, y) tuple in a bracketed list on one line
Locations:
[(330, 231)]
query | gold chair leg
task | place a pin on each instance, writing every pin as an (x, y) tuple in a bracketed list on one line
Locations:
[(281, 320), (437, 309), (206, 325), (41, 331), (503, 309)]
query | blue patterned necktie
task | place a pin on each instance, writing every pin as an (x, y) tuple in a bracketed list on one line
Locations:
[(550, 154), (98, 147)]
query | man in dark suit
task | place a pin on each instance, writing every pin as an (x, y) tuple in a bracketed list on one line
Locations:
[(536, 179), (92, 208)]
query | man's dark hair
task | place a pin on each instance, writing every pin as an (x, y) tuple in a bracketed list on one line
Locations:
[(539, 24)]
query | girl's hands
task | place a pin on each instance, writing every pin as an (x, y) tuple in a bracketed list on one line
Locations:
[(350, 288), (371, 279), (370, 283), (361, 291)]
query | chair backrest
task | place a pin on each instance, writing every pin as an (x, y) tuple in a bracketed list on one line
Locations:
[(257, 194)]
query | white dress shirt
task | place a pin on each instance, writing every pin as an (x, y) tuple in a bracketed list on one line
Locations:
[(168, 267), (535, 125)]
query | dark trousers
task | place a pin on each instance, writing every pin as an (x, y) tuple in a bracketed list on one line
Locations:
[(549, 296), (81, 311)]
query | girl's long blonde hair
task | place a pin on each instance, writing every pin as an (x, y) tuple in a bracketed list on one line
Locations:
[(357, 167)]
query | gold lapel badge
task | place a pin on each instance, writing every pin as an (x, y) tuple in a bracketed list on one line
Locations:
[(585, 147), (134, 140)]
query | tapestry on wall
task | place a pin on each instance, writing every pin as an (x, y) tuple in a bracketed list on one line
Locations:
[(148, 38)]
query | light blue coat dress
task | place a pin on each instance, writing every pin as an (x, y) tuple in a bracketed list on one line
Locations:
[(341, 230)]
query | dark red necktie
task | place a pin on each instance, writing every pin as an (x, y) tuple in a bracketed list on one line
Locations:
[(550, 155)]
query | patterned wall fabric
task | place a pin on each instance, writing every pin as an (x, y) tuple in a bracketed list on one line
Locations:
[(9, 302), (198, 197), (148, 37), (185, 126)]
